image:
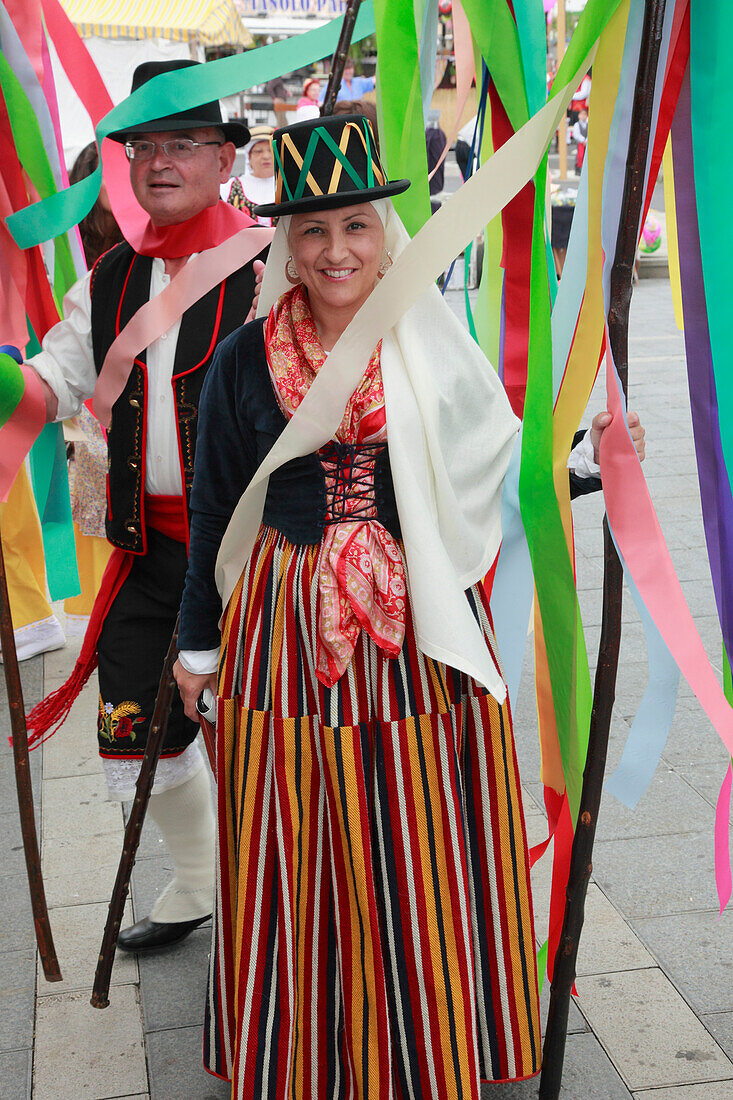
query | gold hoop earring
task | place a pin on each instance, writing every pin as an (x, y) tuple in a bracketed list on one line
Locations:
[(386, 263), (291, 272)]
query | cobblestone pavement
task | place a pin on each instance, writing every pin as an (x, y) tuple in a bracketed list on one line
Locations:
[(653, 1018)]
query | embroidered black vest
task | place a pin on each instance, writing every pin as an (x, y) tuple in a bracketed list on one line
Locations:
[(120, 285)]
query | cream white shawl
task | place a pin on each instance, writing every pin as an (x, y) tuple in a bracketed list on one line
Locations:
[(450, 430)]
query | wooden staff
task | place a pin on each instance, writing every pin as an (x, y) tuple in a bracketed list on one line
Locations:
[(143, 789), (339, 58), (605, 682), (44, 938)]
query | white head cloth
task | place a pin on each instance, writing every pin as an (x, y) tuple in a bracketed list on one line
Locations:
[(450, 432)]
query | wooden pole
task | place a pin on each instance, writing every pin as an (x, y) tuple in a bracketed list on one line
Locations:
[(44, 938), (605, 682), (562, 132), (339, 58), (143, 790)]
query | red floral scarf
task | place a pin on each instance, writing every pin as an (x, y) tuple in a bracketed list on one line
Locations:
[(361, 573)]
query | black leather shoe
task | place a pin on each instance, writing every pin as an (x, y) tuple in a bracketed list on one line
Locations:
[(149, 935)]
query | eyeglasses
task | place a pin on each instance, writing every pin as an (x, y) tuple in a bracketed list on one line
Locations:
[(174, 149)]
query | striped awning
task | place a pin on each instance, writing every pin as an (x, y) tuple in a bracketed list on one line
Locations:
[(209, 22)]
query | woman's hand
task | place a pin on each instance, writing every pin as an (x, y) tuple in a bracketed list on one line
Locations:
[(259, 269), (603, 419), (190, 687)]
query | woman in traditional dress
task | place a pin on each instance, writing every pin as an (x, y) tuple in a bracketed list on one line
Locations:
[(256, 185), (373, 929)]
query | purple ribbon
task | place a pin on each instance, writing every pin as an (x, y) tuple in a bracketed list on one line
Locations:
[(715, 490)]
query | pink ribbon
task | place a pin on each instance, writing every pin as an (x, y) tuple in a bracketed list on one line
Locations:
[(465, 73), (20, 430), (92, 91), (640, 539), (200, 275), (722, 841)]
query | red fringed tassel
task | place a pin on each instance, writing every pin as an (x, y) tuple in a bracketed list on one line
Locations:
[(51, 712)]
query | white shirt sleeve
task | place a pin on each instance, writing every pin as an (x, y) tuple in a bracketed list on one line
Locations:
[(581, 460), (66, 362), (199, 662)]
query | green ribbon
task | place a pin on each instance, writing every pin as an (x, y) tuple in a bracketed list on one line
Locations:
[(496, 36), (466, 297), (531, 29), (49, 475), (32, 155), (551, 563), (12, 387), (178, 91), (711, 37), (50, 481), (399, 102)]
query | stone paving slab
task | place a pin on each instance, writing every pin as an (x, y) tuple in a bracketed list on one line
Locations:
[(15, 1074), (72, 751), (31, 678), (587, 1075), (722, 1090), (646, 876), (17, 999), (85, 1053), (149, 878), (720, 1026), (708, 985), (76, 873), (16, 915), (176, 1067), (12, 856), (652, 1036), (173, 983), (77, 932), (8, 789), (692, 739), (78, 809), (706, 779), (668, 806), (608, 943)]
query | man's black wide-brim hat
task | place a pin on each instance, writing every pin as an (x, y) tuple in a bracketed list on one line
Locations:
[(324, 163), (206, 114)]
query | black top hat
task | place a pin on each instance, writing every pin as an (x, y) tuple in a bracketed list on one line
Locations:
[(206, 114), (324, 163)]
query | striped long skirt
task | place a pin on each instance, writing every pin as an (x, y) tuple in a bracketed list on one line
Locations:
[(374, 933)]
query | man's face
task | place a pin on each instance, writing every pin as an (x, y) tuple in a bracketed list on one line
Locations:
[(348, 73), (172, 191)]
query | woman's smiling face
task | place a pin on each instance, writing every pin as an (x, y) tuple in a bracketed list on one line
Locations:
[(337, 254)]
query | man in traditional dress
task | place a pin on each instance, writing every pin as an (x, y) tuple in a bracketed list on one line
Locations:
[(177, 165)]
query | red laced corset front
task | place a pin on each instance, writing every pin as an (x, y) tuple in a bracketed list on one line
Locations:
[(361, 572)]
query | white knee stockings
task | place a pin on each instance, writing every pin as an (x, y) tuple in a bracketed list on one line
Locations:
[(185, 817)]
